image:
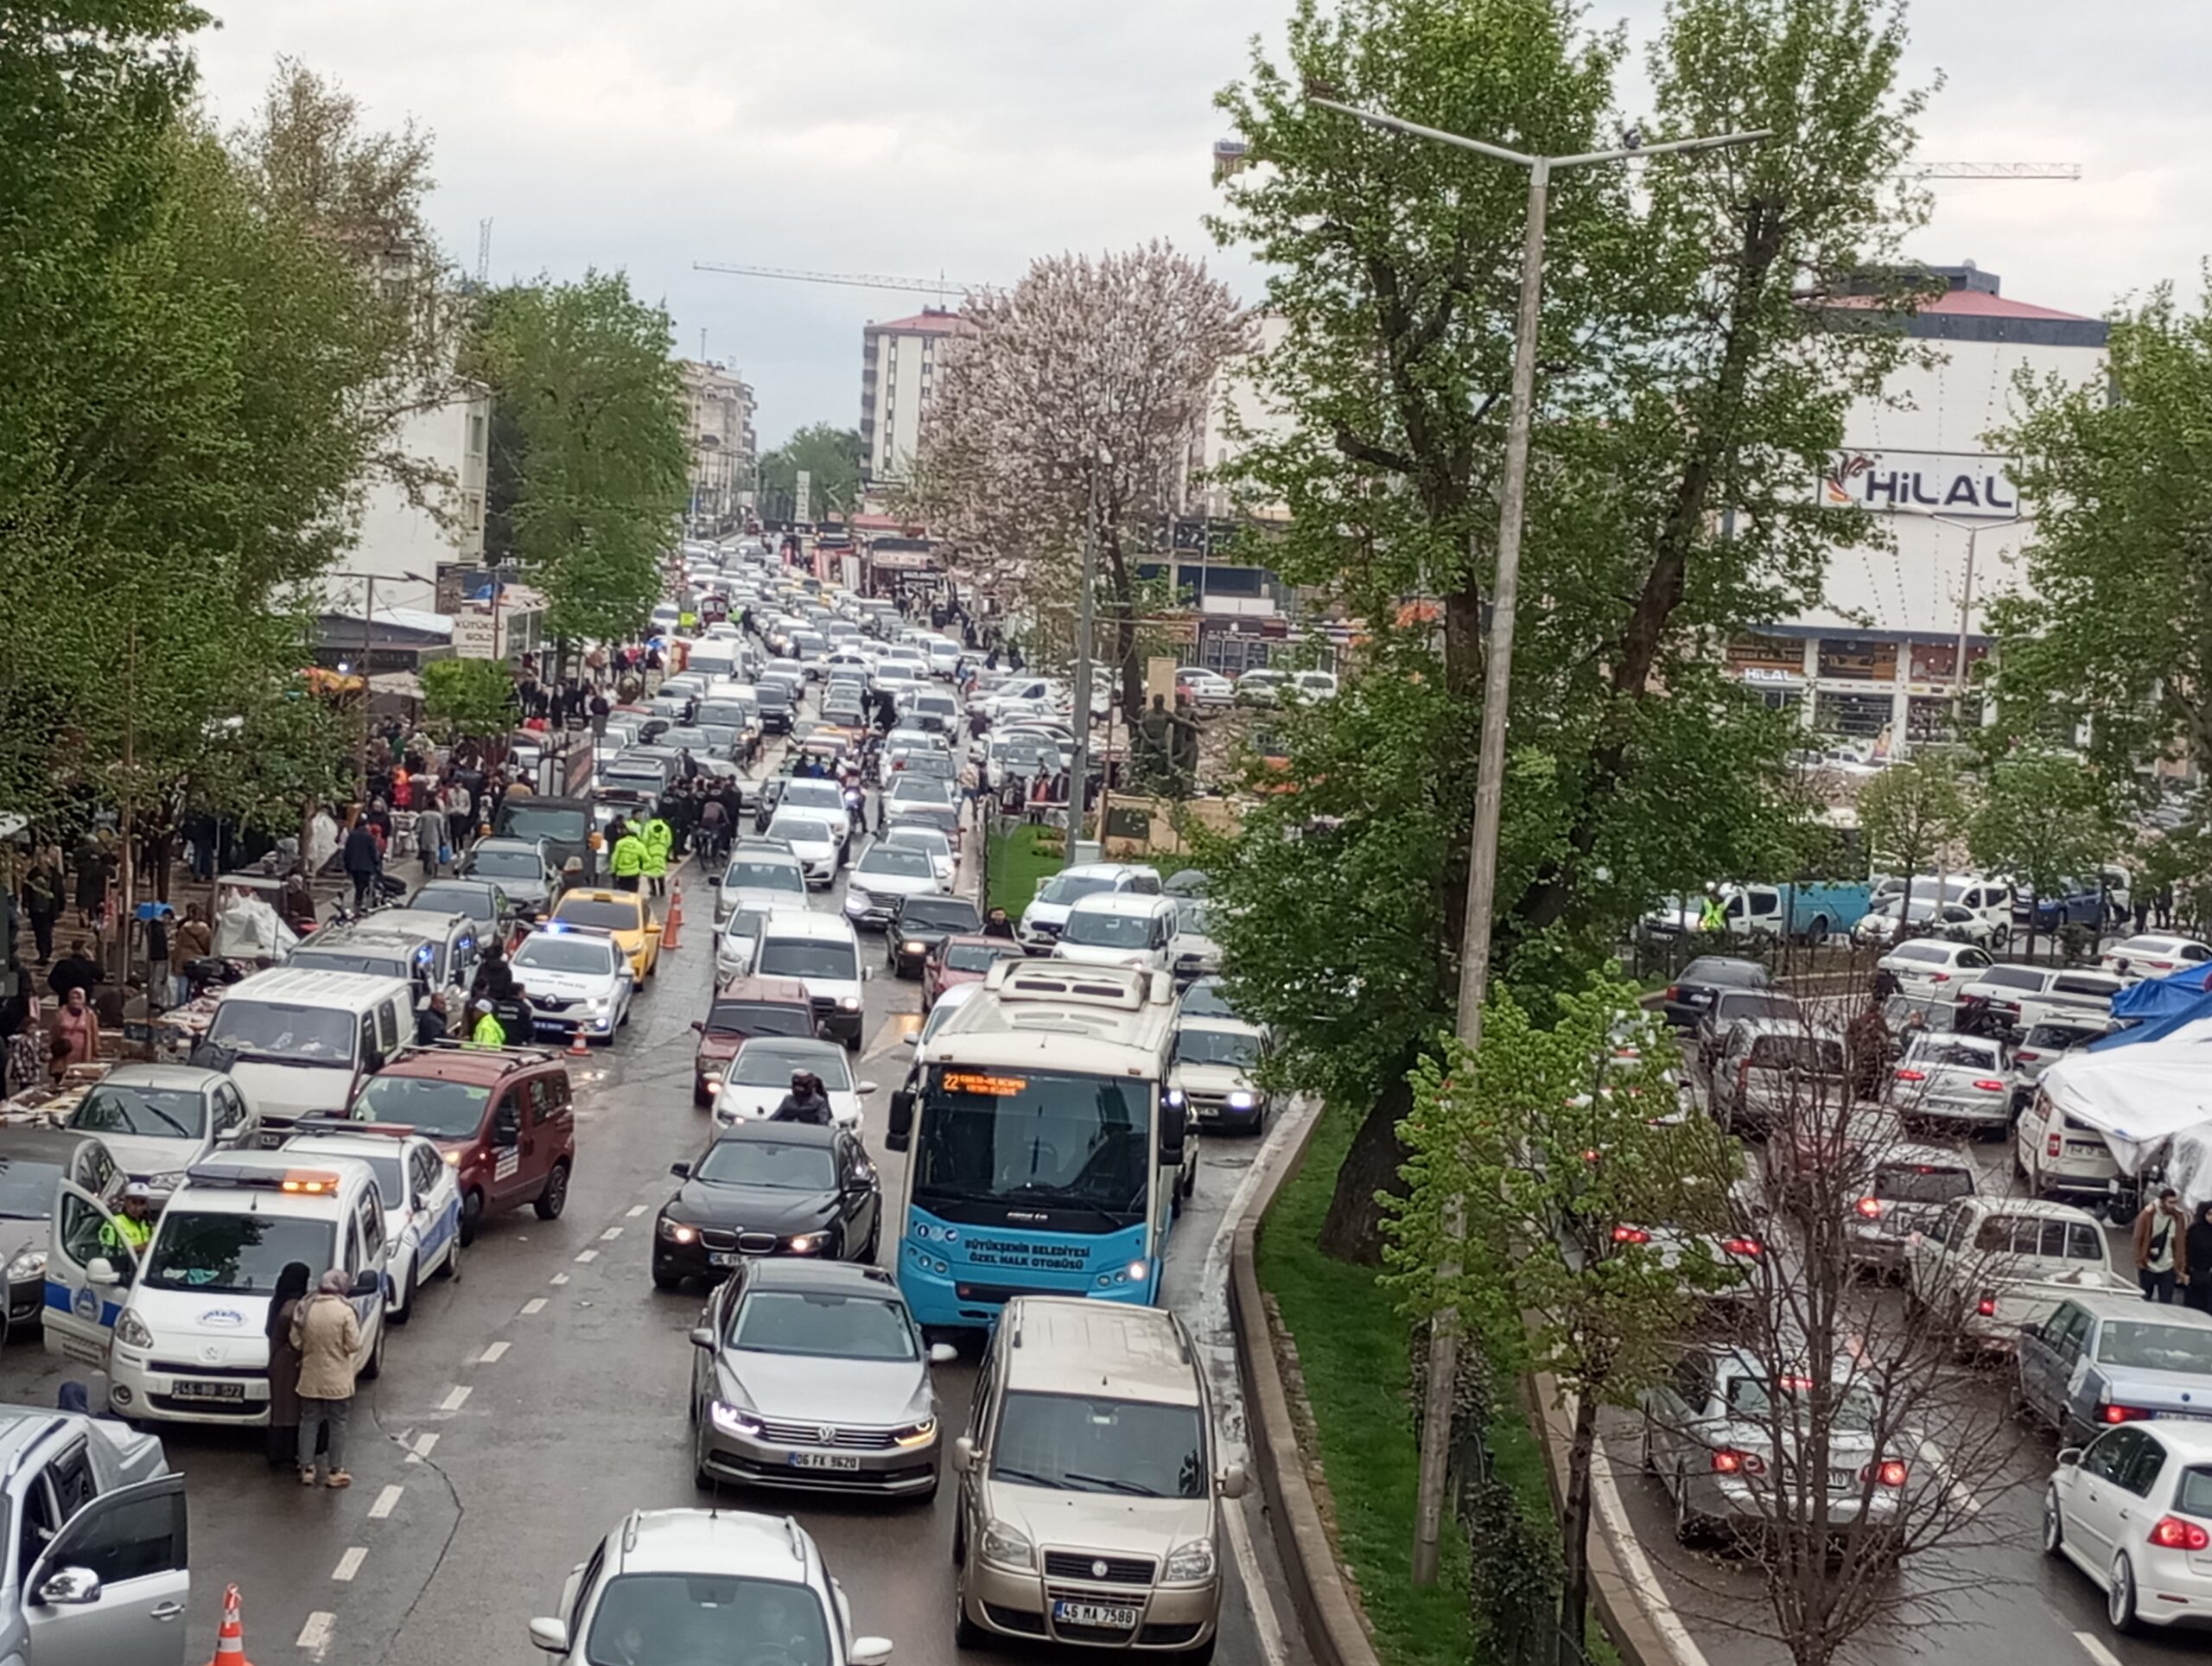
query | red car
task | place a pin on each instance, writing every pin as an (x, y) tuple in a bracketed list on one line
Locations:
[(961, 960), (745, 1007)]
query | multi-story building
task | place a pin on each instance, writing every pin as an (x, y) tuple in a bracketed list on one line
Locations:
[(1879, 658), (898, 362), (718, 425), (407, 533)]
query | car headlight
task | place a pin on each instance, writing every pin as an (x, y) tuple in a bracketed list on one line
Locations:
[(1173, 1096), (856, 898), (731, 1420), (1242, 1100), (806, 1242), (850, 1003), (168, 1181), (130, 1331), (911, 947), (598, 1003), (675, 1231), (1189, 1564), (31, 1264), (452, 1160), (1007, 1546)]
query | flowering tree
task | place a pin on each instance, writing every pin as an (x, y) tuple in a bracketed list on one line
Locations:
[(1083, 383)]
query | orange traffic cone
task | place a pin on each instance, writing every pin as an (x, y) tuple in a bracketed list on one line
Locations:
[(577, 1045), (670, 937), (230, 1641)]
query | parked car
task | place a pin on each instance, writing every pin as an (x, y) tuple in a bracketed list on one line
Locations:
[(2078, 902), (2043, 1046), (1931, 967), (1731, 1006), (1697, 983), (158, 1120), (1991, 1264), (1960, 1080), (1207, 690), (2152, 955), (2056, 1154), (2133, 1510), (1261, 687), (503, 1120), (2096, 1360), (1775, 1070)]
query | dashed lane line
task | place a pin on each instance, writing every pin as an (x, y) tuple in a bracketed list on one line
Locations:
[(350, 1564), (636, 1210), (387, 1501), (558, 1278), (456, 1398), (610, 1235), (491, 1355), (2094, 1647), (422, 1448), (589, 1255), (315, 1635), (535, 1305)]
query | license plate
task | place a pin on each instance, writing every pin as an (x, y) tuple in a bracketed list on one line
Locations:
[(1842, 1480), (2185, 1416), (187, 1388), (824, 1461), (1097, 1615), (723, 1258), (271, 1139)]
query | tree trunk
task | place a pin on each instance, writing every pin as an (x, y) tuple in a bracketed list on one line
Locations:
[(1575, 1583), (1352, 1229)]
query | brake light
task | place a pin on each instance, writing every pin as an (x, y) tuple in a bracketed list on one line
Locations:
[(1940, 977), (1797, 1384), (2026, 1057), (2167, 966), (1986, 1306), (1891, 1471), (1740, 1246), (2053, 1146), (2172, 1533), (1870, 1207), (1631, 1235), (1989, 1084), (1726, 1460), (2121, 1414), (1912, 1076), (1674, 992)]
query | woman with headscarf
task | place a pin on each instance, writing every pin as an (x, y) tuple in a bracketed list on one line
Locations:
[(328, 1336), (79, 1027), (2197, 1247), (285, 1362)]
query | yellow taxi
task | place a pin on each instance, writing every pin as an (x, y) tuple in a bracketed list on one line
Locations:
[(623, 915)]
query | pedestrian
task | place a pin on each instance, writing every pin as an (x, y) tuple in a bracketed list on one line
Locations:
[(76, 970), (42, 903), (658, 838), (2159, 1231), (627, 854), (327, 1336), (78, 1026), (26, 1056), (131, 1230), (2165, 902), (363, 857), (93, 866), (997, 925), (2142, 901), (489, 1031), (284, 1302), (193, 940), (805, 1103), (2196, 1250)]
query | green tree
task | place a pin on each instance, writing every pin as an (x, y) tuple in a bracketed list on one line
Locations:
[(1545, 1140), (1910, 814), (2046, 820), (470, 698), (1690, 383), (2114, 621), (589, 454), (832, 457)]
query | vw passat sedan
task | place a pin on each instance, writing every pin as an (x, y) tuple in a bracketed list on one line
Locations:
[(2133, 1510), (817, 1378), (699, 1586), (768, 1189), (760, 1075)]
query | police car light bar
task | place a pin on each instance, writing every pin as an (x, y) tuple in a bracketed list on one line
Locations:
[(327, 1122), (311, 1181)]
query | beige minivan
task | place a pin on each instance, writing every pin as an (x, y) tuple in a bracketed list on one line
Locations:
[(1089, 1487)]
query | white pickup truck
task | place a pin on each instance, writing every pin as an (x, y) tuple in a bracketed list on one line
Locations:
[(1992, 1264)]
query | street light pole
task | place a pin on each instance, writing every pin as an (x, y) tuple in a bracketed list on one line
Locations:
[(1084, 624), (1974, 530), (1490, 779)]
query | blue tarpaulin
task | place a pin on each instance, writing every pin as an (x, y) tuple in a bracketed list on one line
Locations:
[(2157, 1006)]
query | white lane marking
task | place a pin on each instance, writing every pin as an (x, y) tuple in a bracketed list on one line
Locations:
[(350, 1564), (610, 1235), (535, 1305), (558, 1278), (315, 1635), (1612, 1521), (1954, 1488), (2095, 1648), (636, 1210), (456, 1398), (589, 1255), (491, 1355), (422, 1448), (387, 1501)]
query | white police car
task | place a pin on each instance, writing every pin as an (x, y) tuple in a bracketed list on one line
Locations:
[(420, 1193), (181, 1331)]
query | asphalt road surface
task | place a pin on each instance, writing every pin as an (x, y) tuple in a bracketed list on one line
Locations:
[(535, 1401)]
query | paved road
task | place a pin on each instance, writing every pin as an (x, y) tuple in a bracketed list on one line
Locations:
[(533, 1402), (1999, 1600)]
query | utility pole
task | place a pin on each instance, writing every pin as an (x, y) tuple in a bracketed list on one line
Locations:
[(1080, 768), (1490, 779), (1974, 530)]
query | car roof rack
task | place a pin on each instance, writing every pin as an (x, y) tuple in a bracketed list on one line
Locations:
[(525, 1055)]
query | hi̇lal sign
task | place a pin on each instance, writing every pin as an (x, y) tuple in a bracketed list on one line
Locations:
[(1931, 482)]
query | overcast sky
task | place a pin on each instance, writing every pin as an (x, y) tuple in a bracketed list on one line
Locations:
[(960, 137)]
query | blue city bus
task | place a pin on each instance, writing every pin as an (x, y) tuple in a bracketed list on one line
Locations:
[(1040, 1157)]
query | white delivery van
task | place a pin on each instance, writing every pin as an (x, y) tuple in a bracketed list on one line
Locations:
[(303, 1041)]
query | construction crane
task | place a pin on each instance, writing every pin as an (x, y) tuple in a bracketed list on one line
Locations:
[(851, 280), (1994, 170)]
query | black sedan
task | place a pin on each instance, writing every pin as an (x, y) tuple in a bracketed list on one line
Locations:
[(1697, 983), (919, 923), (769, 1189)]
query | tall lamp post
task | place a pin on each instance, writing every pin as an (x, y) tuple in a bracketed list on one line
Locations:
[(1490, 779), (1974, 530)]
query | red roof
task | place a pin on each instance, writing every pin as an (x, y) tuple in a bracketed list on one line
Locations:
[(1965, 304), (928, 323)]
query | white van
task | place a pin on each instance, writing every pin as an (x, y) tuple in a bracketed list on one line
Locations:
[(1120, 928), (822, 952), (303, 1041), (182, 1333), (717, 657)]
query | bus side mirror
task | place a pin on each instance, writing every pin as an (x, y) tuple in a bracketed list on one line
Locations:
[(1171, 1135), (901, 1132)]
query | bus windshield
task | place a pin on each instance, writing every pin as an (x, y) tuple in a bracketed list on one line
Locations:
[(1035, 1139)]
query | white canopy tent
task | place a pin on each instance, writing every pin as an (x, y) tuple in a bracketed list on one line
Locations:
[(2151, 1101)]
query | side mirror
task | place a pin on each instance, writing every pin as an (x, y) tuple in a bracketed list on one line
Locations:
[(869, 1651), (703, 1337), (551, 1635), (1231, 1479), (963, 1454), (69, 1588), (1172, 1130), (943, 1353), (2069, 1457), (901, 1131), (681, 1170), (100, 1270), (652, 928), (700, 1025), (866, 1088), (2034, 1328), (368, 1282), (506, 1129)]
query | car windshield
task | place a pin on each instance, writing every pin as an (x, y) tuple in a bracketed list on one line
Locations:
[(392, 1190), (804, 958), (1075, 1443), (168, 1113), (759, 1018), (1708, 970), (1202, 1047), (232, 1254), (896, 861), (1191, 919), (557, 951), (609, 915), (828, 1324), (27, 1188), (1034, 1139), (283, 1033), (1099, 930), (1934, 954), (1204, 999), (396, 964), (974, 957), (746, 874), (777, 1163), (1064, 889), (1751, 1398), (706, 1619), (472, 900), (761, 1065), (522, 818), (801, 829), (2147, 1345), (506, 864), (1952, 1052), (1814, 1055), (2060, 1037), (443, 1110), (1921, 1182), (939, 914)]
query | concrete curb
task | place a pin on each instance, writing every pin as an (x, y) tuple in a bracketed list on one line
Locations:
[(1335, 1633)]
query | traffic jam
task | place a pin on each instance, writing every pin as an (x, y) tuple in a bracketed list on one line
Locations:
[(908, 1133)]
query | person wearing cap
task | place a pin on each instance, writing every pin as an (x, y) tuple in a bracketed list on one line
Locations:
[(805, 1103), (133, 1228), (489, 1031)]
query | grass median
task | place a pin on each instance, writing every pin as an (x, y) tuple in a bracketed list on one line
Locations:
[(1020, 861)]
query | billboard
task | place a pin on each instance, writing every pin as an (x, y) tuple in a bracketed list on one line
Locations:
[(1970, 485)]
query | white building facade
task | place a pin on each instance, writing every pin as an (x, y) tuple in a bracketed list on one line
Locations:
[(403, 543), (1879, 659), (899, 364), (718, 427)]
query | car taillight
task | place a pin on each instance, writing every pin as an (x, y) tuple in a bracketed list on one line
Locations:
[(2121, 1414), (2024, 1057), (2171, 1533), (1912, 1076), (1986, 1306), (1743, 1246), (1631, 1235), (1726, 1460), (1891, 1471), (1989, 1084), (1870, 1207), (2053, 1146), (1674, 992), (1940, 977), (2167, 966)]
